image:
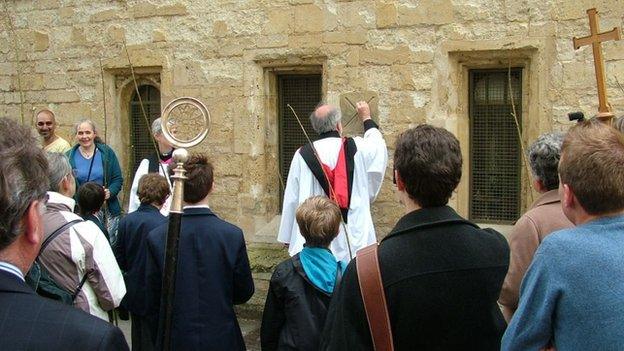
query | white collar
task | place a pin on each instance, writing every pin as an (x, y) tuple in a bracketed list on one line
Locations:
[(195, 206), (59, 198), (11, 268)]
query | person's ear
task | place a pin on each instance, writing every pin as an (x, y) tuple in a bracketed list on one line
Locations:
[(339, 127), (568, 198), (399, 181), (33, 224)]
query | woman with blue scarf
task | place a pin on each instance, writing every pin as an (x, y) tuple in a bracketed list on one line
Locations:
[(301, 287)]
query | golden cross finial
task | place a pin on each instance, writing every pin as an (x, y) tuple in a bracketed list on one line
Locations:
[(595, 39)]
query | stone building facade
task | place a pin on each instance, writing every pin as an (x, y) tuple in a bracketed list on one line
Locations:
[(416, 57)]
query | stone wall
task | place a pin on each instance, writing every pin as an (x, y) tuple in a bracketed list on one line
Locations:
[(413, 54)]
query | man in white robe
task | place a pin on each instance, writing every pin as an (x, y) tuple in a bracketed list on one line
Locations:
[(154, 163), (366, 159)]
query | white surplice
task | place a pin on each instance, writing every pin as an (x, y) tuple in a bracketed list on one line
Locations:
[(143, 169), (370, 163)]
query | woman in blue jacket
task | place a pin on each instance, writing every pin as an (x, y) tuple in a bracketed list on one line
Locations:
[(94, 161)]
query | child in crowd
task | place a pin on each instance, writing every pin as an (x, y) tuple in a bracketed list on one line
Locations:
[(91, 197), (301, 287), (131, 251)]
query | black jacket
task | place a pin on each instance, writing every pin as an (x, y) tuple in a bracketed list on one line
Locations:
[(295, 310), (442, 276), (31, 322)]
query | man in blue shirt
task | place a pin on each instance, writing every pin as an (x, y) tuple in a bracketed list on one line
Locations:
[(571, 297)]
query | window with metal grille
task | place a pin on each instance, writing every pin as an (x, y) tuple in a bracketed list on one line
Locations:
[(141, 134), (495, 158), (303, 93)]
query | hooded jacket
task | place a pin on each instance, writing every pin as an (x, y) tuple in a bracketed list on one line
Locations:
[(297, 302)]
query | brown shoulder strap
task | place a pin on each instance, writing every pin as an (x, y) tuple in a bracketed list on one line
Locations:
[(374, 298)]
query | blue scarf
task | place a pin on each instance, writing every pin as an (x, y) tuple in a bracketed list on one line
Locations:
[(320, 266)]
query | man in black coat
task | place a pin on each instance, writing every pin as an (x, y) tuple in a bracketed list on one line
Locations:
[(28, 321), (213, 271), (441, 273)]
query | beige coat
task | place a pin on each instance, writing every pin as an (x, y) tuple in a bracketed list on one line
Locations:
[(544, 217)]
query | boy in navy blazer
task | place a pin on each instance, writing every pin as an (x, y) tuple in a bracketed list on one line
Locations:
[(213, 271), (130, 252)]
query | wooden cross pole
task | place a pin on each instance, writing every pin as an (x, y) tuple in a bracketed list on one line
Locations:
[(595, 39)]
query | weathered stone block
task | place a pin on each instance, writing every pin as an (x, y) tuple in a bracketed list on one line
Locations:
[(158, 35), (116, 34), (397, 55), (271, 41), (41, 42), (309, 18), (426, 12), (220, 29), (142, 10), (108, 15), (280, 21), (6, 83), (346, 37), (66, 13), (58, 96), (78, 37), (352, 57), (32, 82), (387, 16)]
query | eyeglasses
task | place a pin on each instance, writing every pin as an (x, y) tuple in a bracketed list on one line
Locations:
[(41, 124)]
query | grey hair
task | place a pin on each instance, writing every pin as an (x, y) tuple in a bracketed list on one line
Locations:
[(23, 177), (618, 124), (327, 123), (59, 168), (97, 138), (156, 126), (544, 155), (85, 120)]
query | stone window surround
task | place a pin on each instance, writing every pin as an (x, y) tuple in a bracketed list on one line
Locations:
[(512, 52)]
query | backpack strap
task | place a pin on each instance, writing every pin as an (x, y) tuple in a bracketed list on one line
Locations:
[(374, 298), (51, 237), (56, 233), (79, 287)]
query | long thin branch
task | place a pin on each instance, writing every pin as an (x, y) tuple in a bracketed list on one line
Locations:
[(104, 100), (518, 129), (136, 88), (17, 58)]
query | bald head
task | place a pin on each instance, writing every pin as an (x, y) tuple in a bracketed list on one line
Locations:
[(46, 124), (325, 119)]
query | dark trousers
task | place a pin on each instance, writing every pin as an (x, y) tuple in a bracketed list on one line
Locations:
[(141, 336)]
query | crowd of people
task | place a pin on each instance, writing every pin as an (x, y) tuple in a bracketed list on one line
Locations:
[(437, 281)]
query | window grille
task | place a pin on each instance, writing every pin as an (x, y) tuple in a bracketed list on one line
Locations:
[(141, 134), (303, 93), (495, 152)]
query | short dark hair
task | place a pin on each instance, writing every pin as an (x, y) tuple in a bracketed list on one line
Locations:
[(428, 160), (90, 198), (23, 177), (199, 173), (592, 160), (153, 188), (319, 221)]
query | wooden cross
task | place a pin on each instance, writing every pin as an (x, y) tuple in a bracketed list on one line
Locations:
[(595, 39)]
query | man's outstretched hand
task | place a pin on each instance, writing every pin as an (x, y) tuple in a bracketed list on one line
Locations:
[(363, 110)]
